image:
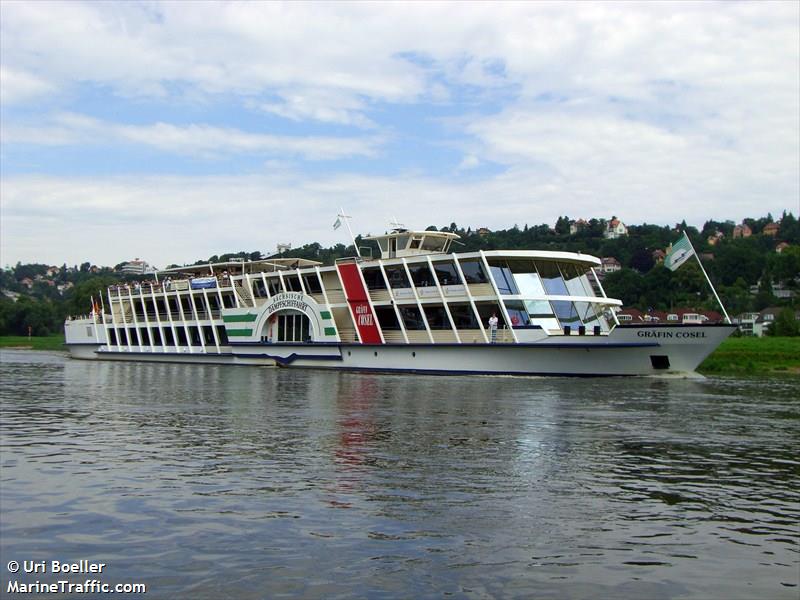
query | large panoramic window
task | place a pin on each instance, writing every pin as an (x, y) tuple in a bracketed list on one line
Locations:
[(446, 273), (486, 310), (566, 313), (274, 285), (591, 315), (503, 278), (463, 316), (412, 319), (421, 275), (397, 277), (473, 271), (541, 314), (374, 279), (437, 317), (433, 244), (311, 282), (529, 285), (387, 318), (575, 280), (292, 283), (551, 278), (517, 313)]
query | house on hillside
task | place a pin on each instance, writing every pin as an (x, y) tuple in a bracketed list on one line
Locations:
[(742, 231), (771, 229), (757, 324), (483, 231), (615, 229), (609, 264), (576, 226), (715, 238), (781, 247), (658, 255)]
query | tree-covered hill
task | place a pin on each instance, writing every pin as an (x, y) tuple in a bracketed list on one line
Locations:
[(748, 270)]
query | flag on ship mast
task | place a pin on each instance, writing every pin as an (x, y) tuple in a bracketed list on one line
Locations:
[(338, 224), (681, 251)]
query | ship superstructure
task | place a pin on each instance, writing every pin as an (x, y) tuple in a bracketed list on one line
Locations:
[(418, 307)]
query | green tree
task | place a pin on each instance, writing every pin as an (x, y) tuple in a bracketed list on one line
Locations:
[(626, 285), (785, 324), (78, 300)]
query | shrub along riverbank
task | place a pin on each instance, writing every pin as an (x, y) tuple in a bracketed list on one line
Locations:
[(754, 356), (736, 356)]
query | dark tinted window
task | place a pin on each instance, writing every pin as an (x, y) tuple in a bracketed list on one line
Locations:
[(437, 317), (473, 271)]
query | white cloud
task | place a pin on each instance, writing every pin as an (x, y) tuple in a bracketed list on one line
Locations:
[(19, 86), (182, 219), (470, 161), (652, 111), (196, 140)]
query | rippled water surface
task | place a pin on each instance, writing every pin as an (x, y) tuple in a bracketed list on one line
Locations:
[(237, 482)]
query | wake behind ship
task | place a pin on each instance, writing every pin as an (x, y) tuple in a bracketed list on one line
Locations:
[(417, 308)]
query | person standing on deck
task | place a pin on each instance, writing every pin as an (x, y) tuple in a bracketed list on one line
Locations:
[(493, 327)]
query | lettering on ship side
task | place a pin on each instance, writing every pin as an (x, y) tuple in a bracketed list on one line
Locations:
[(358, 299), (671, 334), (364, 316)]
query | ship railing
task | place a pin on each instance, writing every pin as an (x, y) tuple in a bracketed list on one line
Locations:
[(336, 297), (348, 335)]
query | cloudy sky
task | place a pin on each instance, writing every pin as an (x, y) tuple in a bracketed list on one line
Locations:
[(176, 130)]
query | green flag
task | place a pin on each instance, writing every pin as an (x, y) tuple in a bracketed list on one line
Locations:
[(680, 252)]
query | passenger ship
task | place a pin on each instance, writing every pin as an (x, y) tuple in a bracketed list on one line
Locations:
[(417, 308)]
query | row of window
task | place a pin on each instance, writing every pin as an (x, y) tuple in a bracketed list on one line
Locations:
[(549, 315), (177, 305), (152, 336), (533, 278), (526, 277)]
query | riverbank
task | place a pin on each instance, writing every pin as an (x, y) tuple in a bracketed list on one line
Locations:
[(754, 356), (736, 356), (47, 342)]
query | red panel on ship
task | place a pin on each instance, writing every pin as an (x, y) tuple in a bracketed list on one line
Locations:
[(357, 298)]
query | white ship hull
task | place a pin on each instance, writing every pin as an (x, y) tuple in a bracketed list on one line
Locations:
[(628, 351)]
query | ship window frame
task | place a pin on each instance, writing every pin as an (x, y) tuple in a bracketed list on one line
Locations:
[(474, 272), (570, 317), (463, 315), (553, 285), (503, 277), (447, 267), (516, 309), (410, 322), (436, 316)]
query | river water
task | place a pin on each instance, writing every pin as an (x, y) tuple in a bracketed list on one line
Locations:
[(240, 482)]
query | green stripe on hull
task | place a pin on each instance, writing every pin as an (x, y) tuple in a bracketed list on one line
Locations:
[(247, 318), (239, 332)]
